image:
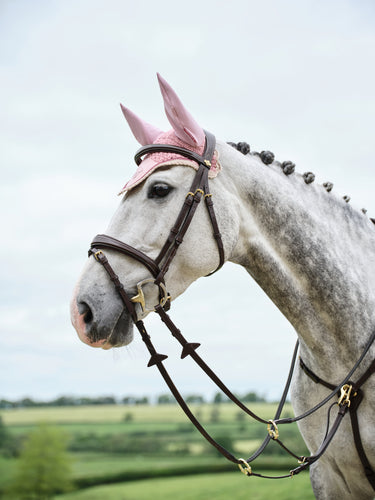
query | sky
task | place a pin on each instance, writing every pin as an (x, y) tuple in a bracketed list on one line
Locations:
[(296, 77)]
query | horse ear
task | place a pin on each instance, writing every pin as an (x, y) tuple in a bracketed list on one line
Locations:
[(184, 125), (144, 132)]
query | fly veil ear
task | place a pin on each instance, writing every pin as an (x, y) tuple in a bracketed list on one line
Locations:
[(183, 124), (186, 133), (144, 132)]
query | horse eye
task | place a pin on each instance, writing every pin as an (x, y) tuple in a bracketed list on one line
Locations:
[(159, 191)]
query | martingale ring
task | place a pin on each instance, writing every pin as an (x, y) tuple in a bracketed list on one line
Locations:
[(272, 429), (244, 467)]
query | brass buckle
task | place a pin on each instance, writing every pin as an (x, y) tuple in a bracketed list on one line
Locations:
[(196, 191), (244, 467), (346, 391), (140, 297), (96, 254)]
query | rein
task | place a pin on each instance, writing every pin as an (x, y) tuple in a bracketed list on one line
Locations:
[(349, 392)]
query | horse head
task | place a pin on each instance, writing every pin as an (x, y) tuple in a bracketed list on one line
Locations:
[(151, 201)]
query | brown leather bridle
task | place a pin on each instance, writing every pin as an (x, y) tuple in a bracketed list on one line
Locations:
[(347, 390), (159, 267)]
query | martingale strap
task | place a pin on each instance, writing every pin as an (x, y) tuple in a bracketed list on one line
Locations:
[(188, 349), (350, 393), (356, 399)]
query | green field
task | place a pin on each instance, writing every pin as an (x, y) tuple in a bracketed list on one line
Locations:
[(115, 413), (151, 452), (204, 487)]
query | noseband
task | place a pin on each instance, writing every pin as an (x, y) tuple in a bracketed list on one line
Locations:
[(347, 390)]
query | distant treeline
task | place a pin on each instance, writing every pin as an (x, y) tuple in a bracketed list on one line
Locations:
[(162, 399)]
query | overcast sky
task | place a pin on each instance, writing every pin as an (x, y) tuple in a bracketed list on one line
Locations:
[(295, 77)]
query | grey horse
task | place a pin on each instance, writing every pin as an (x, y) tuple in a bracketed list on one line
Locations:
[(310, 251)]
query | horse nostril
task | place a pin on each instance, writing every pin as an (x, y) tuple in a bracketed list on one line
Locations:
[(88, 317), (84, 309)]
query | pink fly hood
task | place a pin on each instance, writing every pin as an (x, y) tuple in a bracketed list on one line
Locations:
[(185, 133)]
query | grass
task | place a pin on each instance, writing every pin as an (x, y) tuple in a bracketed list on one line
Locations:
[(203, 487), (162, 421), (101, 464), (7, 467), (102, 428), (198, 473), (93, 469), (116, 413)]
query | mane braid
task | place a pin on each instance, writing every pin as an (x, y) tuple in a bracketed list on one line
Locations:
[(288, 167)]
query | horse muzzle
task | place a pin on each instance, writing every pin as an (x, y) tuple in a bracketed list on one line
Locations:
[(100, 324)]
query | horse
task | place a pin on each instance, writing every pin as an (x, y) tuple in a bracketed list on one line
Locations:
[(309, 250)]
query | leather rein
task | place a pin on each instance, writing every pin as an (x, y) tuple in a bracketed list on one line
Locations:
[(350, 394)]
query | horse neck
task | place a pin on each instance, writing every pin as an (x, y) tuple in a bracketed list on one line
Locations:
[(311, 252)]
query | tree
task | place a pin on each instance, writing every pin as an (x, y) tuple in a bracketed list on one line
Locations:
[(43, 468), (142, 401), (194, 399), (218, 398), (225, 441), (166, 399), (128, 417), (253, 397), (129, 400), (215, 415), (9, 445), (3, 432)]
